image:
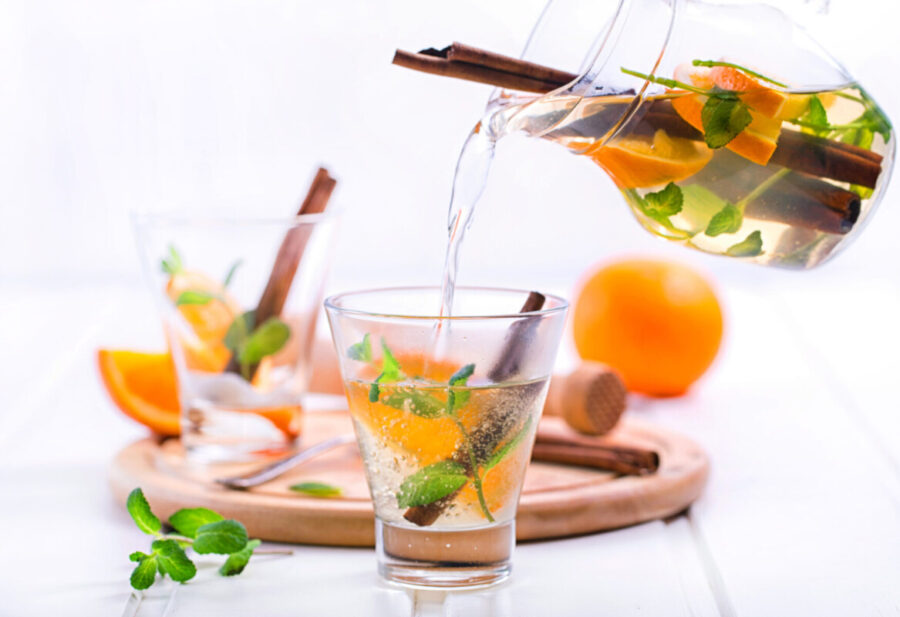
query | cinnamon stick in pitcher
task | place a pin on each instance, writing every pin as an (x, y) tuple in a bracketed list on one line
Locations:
[(272, 300), (499, 423), (809, 154)]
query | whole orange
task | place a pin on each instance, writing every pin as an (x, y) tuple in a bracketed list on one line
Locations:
[(658, 323)]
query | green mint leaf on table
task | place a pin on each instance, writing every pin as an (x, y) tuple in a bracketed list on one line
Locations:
[(751, 246), (140, 511), (229, 276), (501, 452), (172, 560), (431, 483), (728, 220), (222, 537), (188, 520), (236, 562), (145, 573), (415, 402), (723, 116), (265, 340), (361, 351), (192, 296), (172, 263), (239, 331), (316, 489)]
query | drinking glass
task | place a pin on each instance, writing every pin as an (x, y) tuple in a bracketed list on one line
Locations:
[(445, 410), (241, 383)]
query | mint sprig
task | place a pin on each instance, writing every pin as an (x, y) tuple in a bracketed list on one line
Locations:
[(661, 205), (751, 246), (431, 483), (250, 344), (172, 263), (201, 529), (728, 220)]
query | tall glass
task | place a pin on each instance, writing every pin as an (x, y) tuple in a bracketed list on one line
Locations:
[(445, 410), (241, 377)]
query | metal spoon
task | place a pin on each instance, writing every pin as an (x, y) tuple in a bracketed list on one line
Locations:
[(273, 470)]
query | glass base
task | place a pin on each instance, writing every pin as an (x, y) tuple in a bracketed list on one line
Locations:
[(454, 559)]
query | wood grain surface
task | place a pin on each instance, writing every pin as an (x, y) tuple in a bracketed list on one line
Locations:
[(556, 501)]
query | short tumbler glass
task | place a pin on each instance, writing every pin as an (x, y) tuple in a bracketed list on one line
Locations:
[(240, 383), (445, 410)]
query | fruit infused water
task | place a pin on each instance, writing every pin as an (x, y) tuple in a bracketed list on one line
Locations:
[(727, 161), (446, 438)]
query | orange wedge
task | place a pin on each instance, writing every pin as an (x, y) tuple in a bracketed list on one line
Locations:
[(143, 386), (209, 321), (768, 108), (640, 162)]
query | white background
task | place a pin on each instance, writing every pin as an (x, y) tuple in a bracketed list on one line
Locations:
[(108, 106), (120, 105)]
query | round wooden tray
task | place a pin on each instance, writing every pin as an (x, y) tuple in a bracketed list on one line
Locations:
[(556, 501)]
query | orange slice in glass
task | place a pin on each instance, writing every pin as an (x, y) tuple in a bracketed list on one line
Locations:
[(639, 162)]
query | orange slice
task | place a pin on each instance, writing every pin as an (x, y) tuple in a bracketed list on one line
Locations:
[(143, 386), (640, 162), (209, 321), (768, 107)]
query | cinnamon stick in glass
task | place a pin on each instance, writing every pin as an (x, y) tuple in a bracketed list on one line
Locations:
[(499, 422), (272, 300)]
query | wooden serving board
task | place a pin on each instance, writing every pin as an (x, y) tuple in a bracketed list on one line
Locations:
[(556, 501)]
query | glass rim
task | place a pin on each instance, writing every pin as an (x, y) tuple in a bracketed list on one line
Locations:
[(174, 217), (332, 300)]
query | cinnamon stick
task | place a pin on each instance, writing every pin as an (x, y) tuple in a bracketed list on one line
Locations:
[(810, 154), (565, 446), (431, 61), (272, 300), (499, 421)]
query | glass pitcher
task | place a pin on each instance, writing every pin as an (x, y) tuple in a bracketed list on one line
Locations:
[(726, 127)]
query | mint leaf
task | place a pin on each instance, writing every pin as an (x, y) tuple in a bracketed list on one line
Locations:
[(816, 116), (172, 560), (723, 117), (751, 246), (138, 556), (172, 264), (415, 402), (460, 377), (431, 483), (222, 537), (316, 489), (239, 330), (187, 520), (501, 452), (192, 296), (266, 340), (145, 573), (236, 562), (390, 368), (231, 271), (667, 201), (373, 392), (361, 351), (140, 511), (728, 220)]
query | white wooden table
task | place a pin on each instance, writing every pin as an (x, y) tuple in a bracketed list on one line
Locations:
[(801, 516)]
